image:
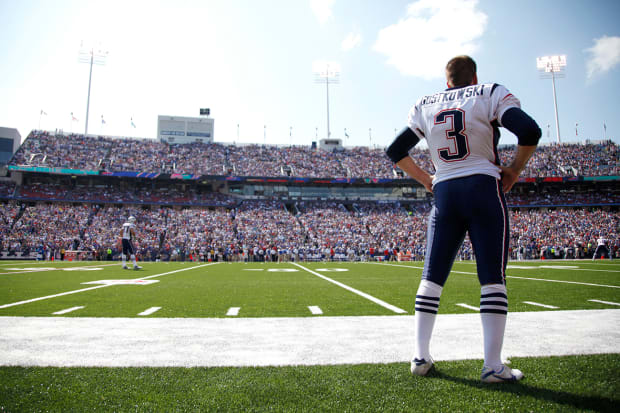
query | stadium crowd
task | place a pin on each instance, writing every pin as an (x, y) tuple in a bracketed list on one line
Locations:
[(143, 155), (55, 216), (270, 230), (192, 196), (173, 194)]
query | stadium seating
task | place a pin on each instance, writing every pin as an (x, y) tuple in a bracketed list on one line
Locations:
[(316, 228), (50, 212), (149, 156)]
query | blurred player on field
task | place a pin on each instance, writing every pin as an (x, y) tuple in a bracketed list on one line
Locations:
[(461, 128), (601, 248), (128, 235)]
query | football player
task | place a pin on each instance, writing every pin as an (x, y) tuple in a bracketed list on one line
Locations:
[(601, 248), (461, 128), (128, 235)]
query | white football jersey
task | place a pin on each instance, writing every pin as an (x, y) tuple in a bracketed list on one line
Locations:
[(460, 126), (127, 227)]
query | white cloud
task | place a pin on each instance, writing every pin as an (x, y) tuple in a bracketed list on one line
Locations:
[(322, 9), (431, 33), (351, 41), (604, 55)]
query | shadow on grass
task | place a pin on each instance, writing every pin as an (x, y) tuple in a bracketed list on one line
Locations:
[(602, 404)]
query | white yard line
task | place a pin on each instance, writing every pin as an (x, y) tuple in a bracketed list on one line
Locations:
[(605, 302), (210, 342), (175, 271), (52, 296), (315, 310), (150, 311), (94, 288), (469, 307), (68, 310), (353, 290), (540, 305), (233, 311)]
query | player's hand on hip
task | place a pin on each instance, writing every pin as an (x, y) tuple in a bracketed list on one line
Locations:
[(428, 183), (509, 177)]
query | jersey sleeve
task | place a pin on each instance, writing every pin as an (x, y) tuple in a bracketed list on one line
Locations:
[(415, 122), (501, 101)]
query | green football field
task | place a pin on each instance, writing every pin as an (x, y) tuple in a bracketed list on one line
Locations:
[(288, 289), (265, 290)]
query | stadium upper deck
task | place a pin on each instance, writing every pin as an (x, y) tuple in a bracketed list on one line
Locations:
[(113, 155)]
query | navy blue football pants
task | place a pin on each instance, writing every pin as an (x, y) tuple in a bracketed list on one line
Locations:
[(476, 205)]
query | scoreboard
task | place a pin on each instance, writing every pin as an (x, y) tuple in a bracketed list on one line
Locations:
[(183, 129)]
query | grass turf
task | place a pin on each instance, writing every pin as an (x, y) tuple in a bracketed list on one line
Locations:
[(581, 383), (285, 290), (563, 384)]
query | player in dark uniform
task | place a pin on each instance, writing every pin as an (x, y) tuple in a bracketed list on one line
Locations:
[(127, 237), (461, 128)]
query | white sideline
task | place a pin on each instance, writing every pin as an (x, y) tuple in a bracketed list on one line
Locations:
[(98, 286), (355, 291), (192, 342)]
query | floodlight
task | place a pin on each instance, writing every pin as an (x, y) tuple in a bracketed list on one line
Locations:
[(552, 67), (94, 57), (326, 72)]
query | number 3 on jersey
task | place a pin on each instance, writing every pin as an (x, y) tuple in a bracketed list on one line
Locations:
[(458, 150)]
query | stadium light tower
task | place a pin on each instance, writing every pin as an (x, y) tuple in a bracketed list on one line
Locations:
[(326, 72), (94, 57), (552, 67)]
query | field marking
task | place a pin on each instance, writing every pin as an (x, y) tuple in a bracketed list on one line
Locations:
[(52, 269), (94, 288), (19, 262), (540, 305), (397, 265), (564, 282), (315, 310), (123, 282), (524, 278), (605, 302), (68, 310), (233, 311), (292, 341), (510, 266), (469, 307), (150, 311), (353, 290)]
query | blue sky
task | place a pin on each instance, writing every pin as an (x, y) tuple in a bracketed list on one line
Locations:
[(251, 62)]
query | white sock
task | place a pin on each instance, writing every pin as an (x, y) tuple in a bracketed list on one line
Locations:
[(124, 257), (426, 307), (133, 259), (493, 311)]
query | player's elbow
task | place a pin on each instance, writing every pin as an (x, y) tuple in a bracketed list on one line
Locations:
[(523, 126), (401, 145)]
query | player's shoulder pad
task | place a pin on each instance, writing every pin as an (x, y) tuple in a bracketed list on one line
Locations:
[(497, 88)]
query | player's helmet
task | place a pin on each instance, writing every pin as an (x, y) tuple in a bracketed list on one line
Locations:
[(131, 219)]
